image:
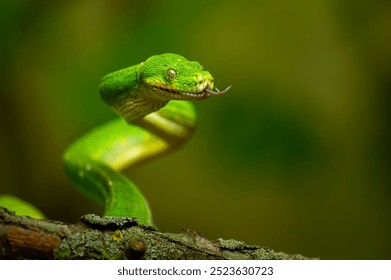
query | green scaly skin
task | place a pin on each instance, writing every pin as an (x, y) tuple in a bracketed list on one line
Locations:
[(152, 97), (153, 100)]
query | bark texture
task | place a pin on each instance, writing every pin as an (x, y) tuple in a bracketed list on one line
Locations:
[(115, 238)]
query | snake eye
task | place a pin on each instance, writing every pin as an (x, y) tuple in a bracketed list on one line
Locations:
[(170, 74)]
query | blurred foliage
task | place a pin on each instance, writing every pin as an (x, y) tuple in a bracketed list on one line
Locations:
[(295, 157)]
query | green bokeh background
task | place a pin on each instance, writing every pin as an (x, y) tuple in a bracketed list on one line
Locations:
[(296, 157)]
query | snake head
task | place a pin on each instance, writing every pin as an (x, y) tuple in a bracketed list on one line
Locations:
[(172, 77)]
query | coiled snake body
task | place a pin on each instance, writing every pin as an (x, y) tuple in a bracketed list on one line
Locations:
[(153, 100), (152, 97)]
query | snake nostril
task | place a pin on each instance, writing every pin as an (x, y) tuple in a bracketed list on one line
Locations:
[(199, 77)]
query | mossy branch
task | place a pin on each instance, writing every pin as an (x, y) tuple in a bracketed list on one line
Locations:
[(23, 237)]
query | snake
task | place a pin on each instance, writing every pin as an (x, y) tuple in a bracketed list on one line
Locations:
[(156, 115)]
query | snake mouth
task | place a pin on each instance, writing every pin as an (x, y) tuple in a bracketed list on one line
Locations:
[(200, 92), (179, 94)]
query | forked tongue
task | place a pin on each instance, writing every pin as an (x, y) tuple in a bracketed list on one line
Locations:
[(217, 92)]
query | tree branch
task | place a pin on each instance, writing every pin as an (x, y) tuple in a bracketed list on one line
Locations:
[(23, 237)]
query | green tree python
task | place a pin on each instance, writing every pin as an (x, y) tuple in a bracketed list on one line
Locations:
[(153, 99)]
